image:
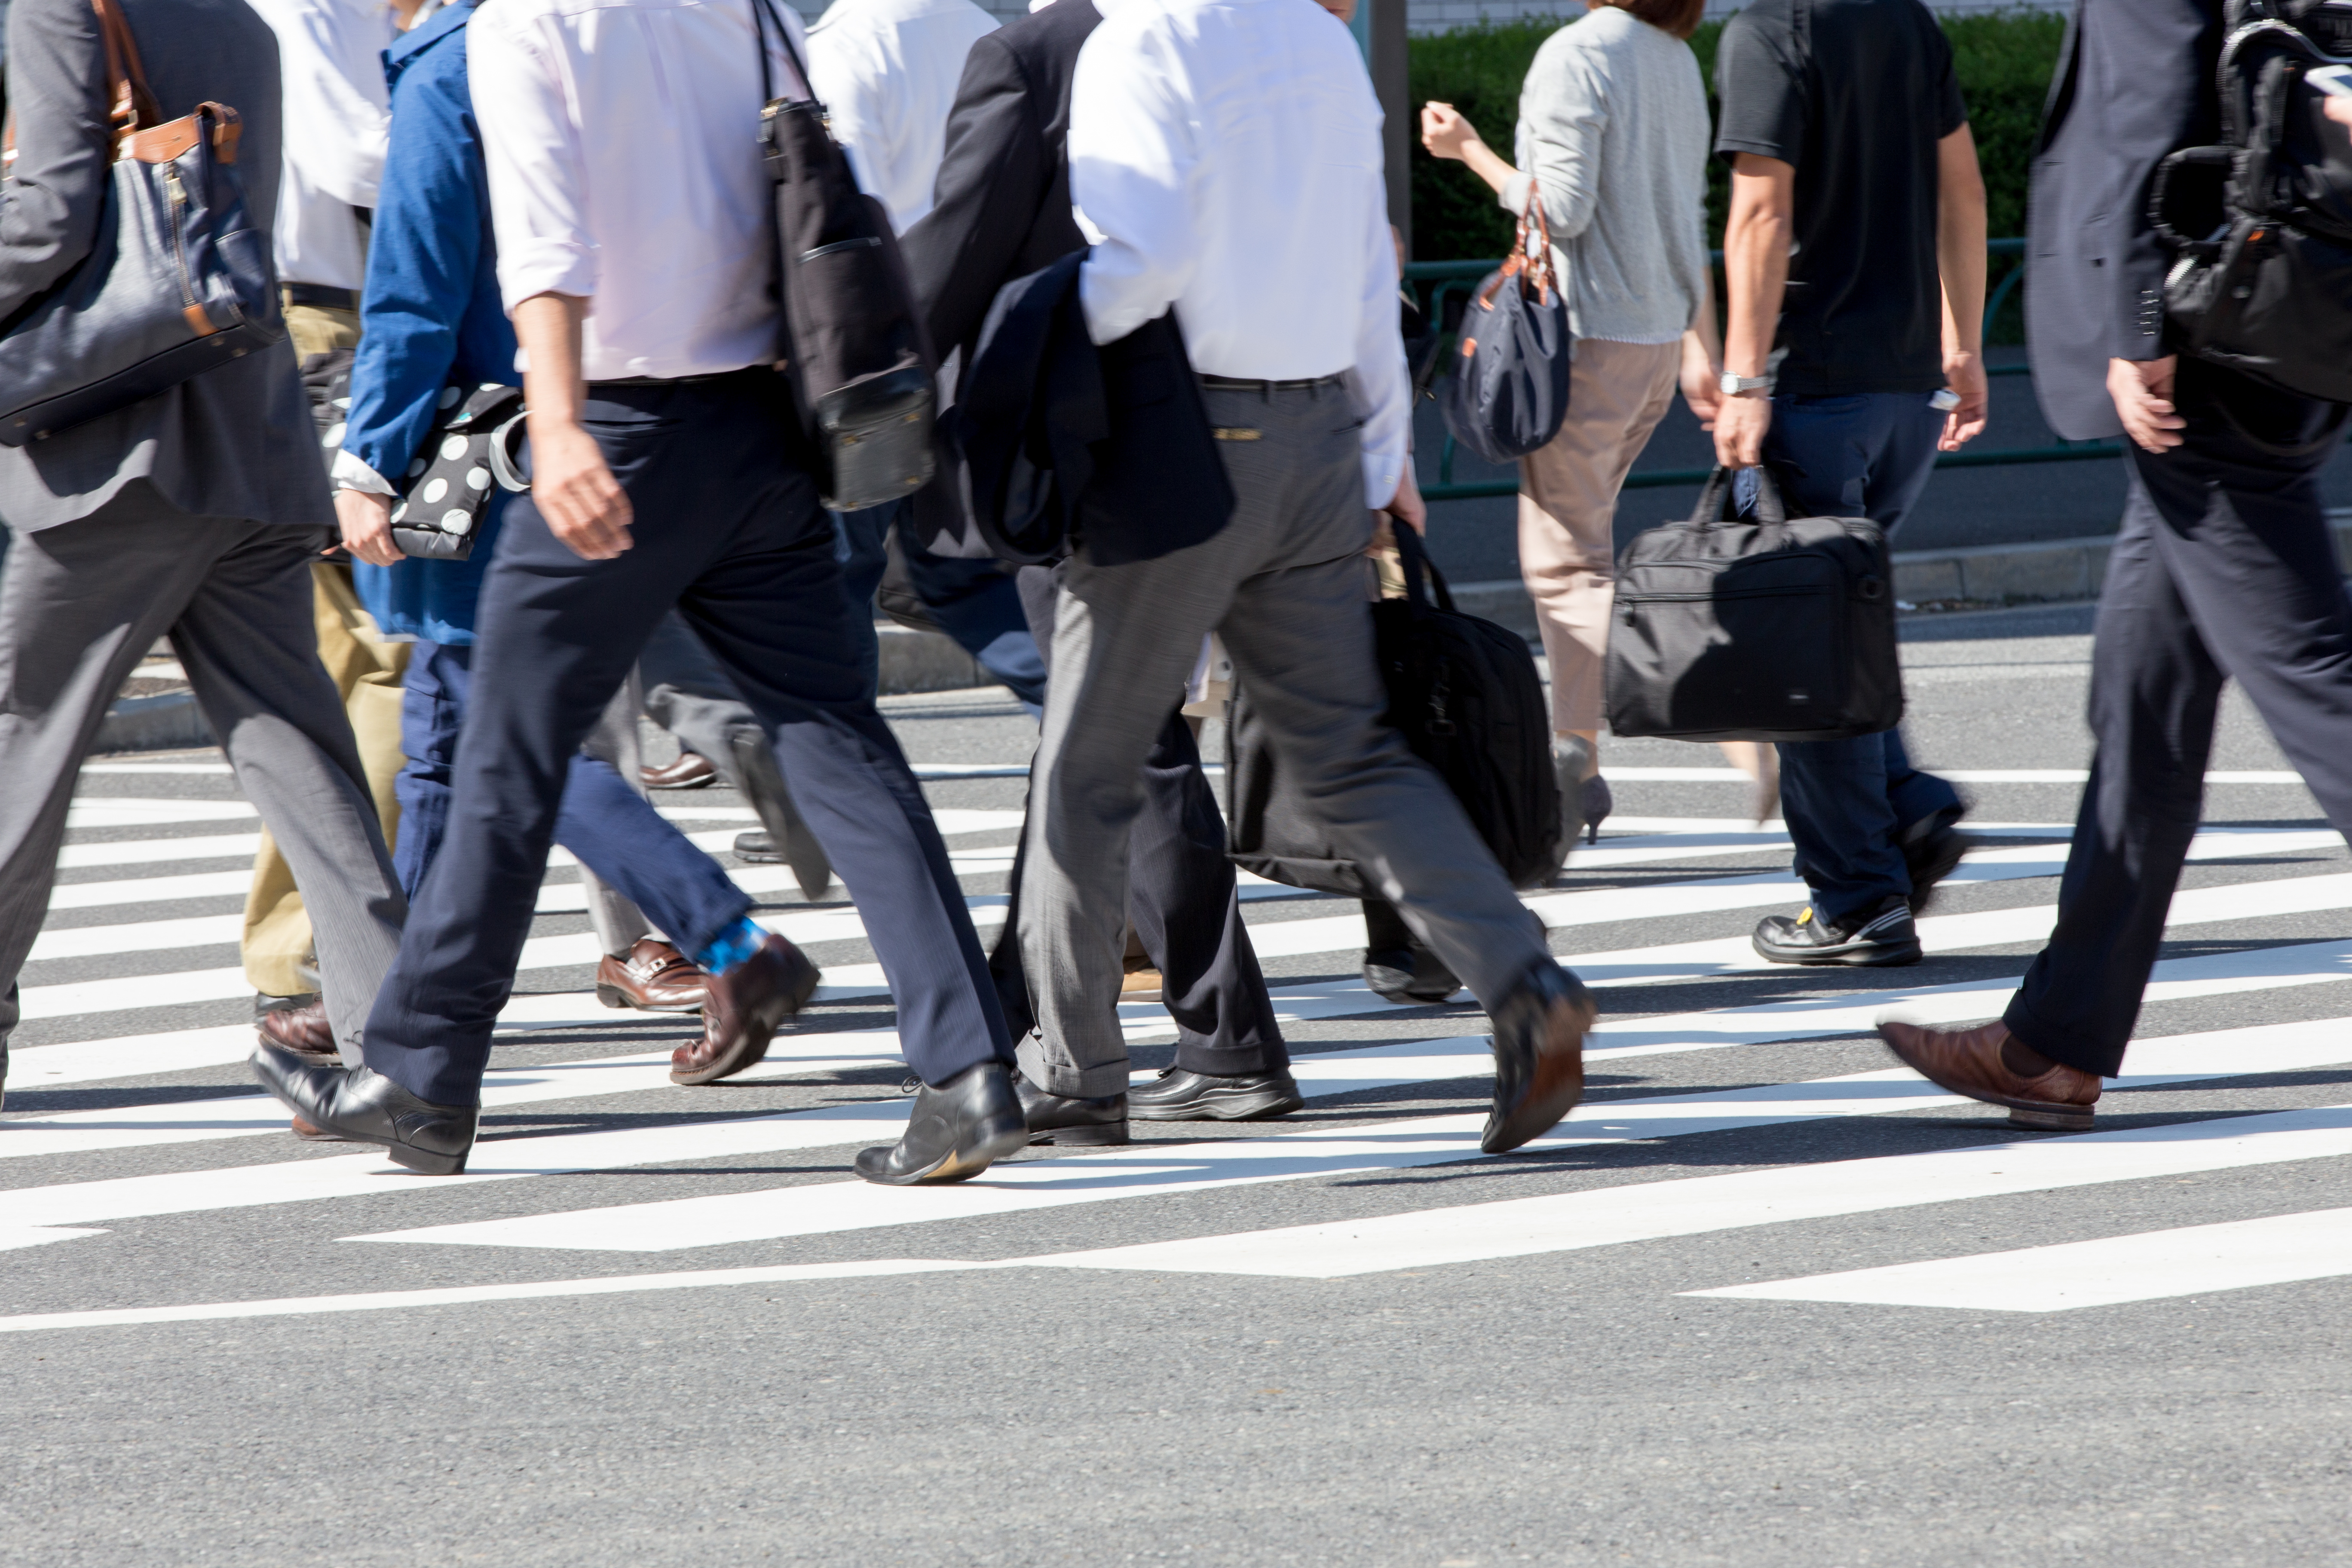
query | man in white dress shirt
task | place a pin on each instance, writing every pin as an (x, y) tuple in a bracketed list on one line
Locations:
[(635, 234), (1227, 156), (886, 71)]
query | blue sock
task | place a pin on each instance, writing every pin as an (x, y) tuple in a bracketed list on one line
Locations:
[(731, 946)]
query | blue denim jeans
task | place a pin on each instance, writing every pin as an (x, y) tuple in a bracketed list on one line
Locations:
[(974, 602), (1848, 803)]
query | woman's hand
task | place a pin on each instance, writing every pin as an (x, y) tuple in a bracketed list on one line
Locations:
[(366, 520), (1445, 132)]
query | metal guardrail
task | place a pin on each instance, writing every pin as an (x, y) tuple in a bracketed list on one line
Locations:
[(1434, 280)]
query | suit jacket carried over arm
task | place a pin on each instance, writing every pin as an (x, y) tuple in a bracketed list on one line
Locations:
[(2135, 81), (235, 441), (1001, 209)]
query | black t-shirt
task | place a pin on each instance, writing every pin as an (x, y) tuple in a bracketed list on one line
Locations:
[(1856, 94)]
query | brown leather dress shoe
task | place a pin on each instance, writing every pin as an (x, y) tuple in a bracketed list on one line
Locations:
[(744, 1006), (304, 1030), (691, 770), (653, 977), (1968, 1061)]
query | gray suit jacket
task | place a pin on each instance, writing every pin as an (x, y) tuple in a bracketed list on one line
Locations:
[(235, 442), (2135, 81)]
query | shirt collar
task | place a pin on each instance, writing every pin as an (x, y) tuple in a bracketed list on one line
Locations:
[(452, 15)]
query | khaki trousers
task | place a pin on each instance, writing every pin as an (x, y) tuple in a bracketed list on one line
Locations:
[(1568, 511), (367, 672)]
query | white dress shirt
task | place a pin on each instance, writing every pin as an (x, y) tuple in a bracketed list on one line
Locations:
[(336, 113), (1225, 158), (622, 139), (887, 72)]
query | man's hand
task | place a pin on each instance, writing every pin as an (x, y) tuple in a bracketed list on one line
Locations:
[(1740, 423), (366, 520), (2337, 109), (2142, 389), (1407, 502), (583, 504), (1702, 379), (1965, 374), (1445, 133)]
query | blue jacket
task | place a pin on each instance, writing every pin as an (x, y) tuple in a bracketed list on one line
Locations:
[(431, 313)]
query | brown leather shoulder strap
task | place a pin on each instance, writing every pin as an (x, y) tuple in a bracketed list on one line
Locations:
[(130, 105)]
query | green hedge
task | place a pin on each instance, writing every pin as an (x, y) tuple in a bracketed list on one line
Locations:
[(2004, 61)]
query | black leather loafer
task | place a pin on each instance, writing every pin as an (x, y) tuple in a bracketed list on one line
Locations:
[(1878, 939), (1539, 1045), (954, 1133), (1064, 1120), (362, 1106), (1179, 1094), (1408, 976)]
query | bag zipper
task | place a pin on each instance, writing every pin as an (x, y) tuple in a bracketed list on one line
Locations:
[(179, 195)]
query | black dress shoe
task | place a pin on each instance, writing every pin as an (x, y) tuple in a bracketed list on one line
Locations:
[(1072, 1122), (1932, 851), (1539, 1043), (362, 1106), (954, 1132), (1179, 1094), (1880, 938), (1409, 976)]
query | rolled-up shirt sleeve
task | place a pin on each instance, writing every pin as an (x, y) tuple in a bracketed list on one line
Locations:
[(537, 210), (1379, 391), (1132, 164)]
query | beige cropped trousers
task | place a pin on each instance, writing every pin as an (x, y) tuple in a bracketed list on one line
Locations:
[(1567, 507)]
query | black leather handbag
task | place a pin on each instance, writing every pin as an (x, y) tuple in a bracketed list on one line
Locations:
[(1775, 629), (855, 350), (1464, 694), (1509, 392), (177, 281)]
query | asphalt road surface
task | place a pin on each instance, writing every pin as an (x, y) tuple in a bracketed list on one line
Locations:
[(1764, 1299)]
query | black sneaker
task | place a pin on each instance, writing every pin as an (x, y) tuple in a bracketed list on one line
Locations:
[(1881, 938), (1932, 849)]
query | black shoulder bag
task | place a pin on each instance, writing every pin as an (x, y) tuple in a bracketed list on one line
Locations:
[(854, 347)]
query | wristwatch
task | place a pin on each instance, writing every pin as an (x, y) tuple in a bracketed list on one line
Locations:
[(1733, 385)]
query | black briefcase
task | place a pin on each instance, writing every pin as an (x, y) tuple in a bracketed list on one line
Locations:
[(1770, 629), (1466, 697)]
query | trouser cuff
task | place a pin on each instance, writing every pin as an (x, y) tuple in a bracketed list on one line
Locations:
[(2059, 1044), (1056, 1074), (1195, 1053)]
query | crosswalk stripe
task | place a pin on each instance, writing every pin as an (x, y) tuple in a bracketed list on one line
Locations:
[(147, 851), (1614, 1216), (809, 1210), (459, 1295), (2191, 1260)]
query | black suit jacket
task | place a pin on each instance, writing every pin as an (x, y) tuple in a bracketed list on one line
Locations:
[(1000, 208), (1152, 481), (2135, 81)]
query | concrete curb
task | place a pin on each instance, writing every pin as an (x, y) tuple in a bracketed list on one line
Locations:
[(911, 661)]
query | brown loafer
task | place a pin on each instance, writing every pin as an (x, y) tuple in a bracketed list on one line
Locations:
[(653, 977), (691, 770), (303, 1030), (1968, 1061), (744, 1006)]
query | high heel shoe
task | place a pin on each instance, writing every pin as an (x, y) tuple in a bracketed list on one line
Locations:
[(1598, 803)]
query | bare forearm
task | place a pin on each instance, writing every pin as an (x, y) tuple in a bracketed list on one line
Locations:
[(1754, 279), (548, 328), (1487, 165), (1960, 243)]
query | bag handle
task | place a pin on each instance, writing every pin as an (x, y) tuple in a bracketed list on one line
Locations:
[(759, 20), (131, 107), (1715, 501), (1421, 574)]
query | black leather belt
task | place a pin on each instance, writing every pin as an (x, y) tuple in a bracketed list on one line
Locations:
[(668, 380), (1232, 383), (320, 295)]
